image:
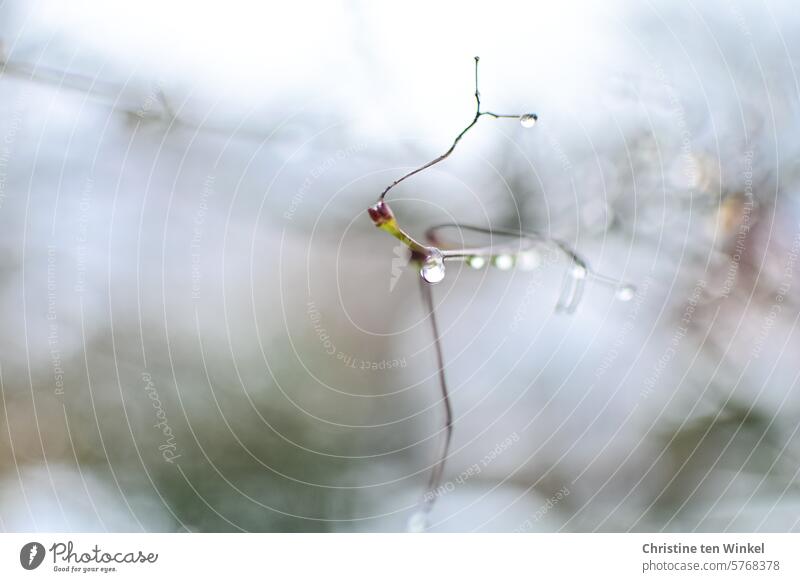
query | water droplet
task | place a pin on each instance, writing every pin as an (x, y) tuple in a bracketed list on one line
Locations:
[(503, 262), (528, 120), (579, 272), (528, 260), (417, 523), (433, 267), (476, 262), (625, 292)]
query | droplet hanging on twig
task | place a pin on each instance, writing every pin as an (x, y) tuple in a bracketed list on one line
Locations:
[(432, 270)]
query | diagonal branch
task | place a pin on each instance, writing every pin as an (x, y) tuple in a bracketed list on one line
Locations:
[(445, 155)]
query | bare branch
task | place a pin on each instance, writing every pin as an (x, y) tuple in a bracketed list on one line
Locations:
[(445, 155)]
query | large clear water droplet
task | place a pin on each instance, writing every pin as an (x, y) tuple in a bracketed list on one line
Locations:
[(528, 120), (625, 292), (432, 269), (417, 523)]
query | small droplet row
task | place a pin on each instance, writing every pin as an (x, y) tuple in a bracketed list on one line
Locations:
[(433, 269), (530, 260), (526, 261)]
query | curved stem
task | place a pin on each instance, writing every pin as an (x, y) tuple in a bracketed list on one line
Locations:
[(445, 155), (432, 162)]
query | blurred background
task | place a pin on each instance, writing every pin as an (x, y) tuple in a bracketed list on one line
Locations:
[(202, 330)]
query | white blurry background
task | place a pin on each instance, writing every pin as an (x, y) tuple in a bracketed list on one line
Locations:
[(184, 244)]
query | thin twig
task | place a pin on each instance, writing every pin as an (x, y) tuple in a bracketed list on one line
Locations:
[(438, 470), (108, 94), (445, 155)]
